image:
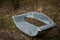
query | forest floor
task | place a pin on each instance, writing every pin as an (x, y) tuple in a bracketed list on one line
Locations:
[(8, 30)]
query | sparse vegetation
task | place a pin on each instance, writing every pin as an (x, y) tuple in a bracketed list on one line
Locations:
[(8, 8)]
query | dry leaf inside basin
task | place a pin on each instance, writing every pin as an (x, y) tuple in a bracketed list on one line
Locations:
[(35, 21)]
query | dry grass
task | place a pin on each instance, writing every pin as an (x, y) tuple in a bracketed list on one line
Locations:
[(8, 30)]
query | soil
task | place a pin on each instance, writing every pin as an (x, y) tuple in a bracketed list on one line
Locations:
[(8, 30)]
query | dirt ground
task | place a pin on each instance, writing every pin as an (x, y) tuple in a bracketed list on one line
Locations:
[(8, 30)]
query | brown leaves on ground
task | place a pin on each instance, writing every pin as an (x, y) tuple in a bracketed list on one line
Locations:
[(8, 30)]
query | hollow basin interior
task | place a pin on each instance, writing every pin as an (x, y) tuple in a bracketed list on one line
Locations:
[(27, 23)]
